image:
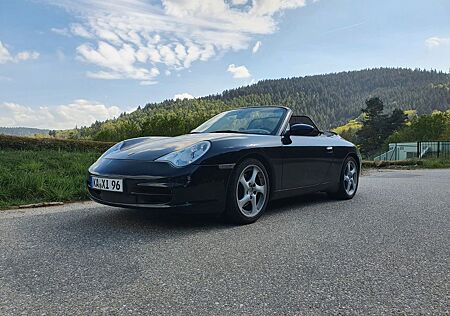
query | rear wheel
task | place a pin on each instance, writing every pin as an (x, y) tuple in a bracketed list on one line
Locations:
[(248, 192), (348, 180)]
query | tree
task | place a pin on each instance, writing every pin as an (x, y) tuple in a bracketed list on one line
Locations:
[(377, 126), (395, 121), (431, 127)]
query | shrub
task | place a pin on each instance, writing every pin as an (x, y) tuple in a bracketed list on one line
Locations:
[(29, 143)]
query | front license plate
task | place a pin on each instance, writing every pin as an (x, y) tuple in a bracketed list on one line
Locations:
[(107, 184)]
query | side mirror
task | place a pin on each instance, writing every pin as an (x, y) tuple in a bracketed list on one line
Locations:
[(303, 130), (299, 130)]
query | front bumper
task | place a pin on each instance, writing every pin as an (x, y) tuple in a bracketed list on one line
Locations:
[(158, 185)]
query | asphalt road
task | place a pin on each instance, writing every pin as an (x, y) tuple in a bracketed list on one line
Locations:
[(386, 251)]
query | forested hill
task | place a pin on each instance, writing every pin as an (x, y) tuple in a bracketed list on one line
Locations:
[(22, 131), (330, 99)]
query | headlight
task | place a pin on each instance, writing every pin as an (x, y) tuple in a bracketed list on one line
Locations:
[(187, 155)]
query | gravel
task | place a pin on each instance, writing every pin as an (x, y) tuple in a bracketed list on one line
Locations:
[(384, 252)]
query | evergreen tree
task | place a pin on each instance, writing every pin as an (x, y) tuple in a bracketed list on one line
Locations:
[(370, 136), (377, 126)]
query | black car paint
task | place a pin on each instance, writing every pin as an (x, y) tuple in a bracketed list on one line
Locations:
[(195, 187), (304, 164)]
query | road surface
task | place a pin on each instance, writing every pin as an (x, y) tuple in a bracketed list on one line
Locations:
[(384, 252)]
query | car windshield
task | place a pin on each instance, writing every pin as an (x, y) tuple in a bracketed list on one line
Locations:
[(253, 120)]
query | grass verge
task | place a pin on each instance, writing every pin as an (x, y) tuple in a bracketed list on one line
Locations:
[(431, 163), (35, 176), (436, 163)]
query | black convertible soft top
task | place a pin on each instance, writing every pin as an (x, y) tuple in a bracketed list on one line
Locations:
[(302, 119)]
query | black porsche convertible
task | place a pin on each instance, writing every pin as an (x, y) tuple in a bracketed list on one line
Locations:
[(233, 163)]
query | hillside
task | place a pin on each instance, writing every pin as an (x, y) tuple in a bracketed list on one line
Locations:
[(331, 100), (22, 131)]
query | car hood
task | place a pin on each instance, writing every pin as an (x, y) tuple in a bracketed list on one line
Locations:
[(151, 148)]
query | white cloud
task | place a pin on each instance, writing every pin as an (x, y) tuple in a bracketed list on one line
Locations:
[(25, 55), (120, 63), (182, 96), (172, 34), (74, 29), (269, 7), (5, 55), (60, 31), (79, 30), (257, 46), (78, 113), (434, 42), (148, 83), (239, 2), (238, 71)]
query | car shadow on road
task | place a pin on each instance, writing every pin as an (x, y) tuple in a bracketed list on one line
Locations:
[(142, 219), (296, 203)]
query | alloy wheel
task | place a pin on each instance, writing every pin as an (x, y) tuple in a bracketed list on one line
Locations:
[(350, 177), (251, 190)]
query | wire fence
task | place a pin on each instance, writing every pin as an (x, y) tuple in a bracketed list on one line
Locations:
[(434, 149), (418, 150)]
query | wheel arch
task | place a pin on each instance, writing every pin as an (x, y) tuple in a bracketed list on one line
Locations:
[(354, 156), (335, 183), (269, 168)]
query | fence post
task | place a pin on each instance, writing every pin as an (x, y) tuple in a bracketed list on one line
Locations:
[(396, 152), (438, 149), (418, 149)]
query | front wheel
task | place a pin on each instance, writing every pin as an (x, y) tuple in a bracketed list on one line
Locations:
[(248, 192), (348, 180)]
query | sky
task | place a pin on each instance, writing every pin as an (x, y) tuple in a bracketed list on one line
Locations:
[(68, 63)]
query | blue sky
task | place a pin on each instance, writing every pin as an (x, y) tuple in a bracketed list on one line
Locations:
[(65, 63)]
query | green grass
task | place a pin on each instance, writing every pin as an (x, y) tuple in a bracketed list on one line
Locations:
[(34, 176), (429, 163), (436, 163)]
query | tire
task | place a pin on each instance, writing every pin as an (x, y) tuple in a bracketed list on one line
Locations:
[(348, 180), (248, 192)]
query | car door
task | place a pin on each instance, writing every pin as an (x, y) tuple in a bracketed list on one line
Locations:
[(306, 160)]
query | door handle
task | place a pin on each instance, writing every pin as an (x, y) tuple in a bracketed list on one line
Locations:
[(329, 149)]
